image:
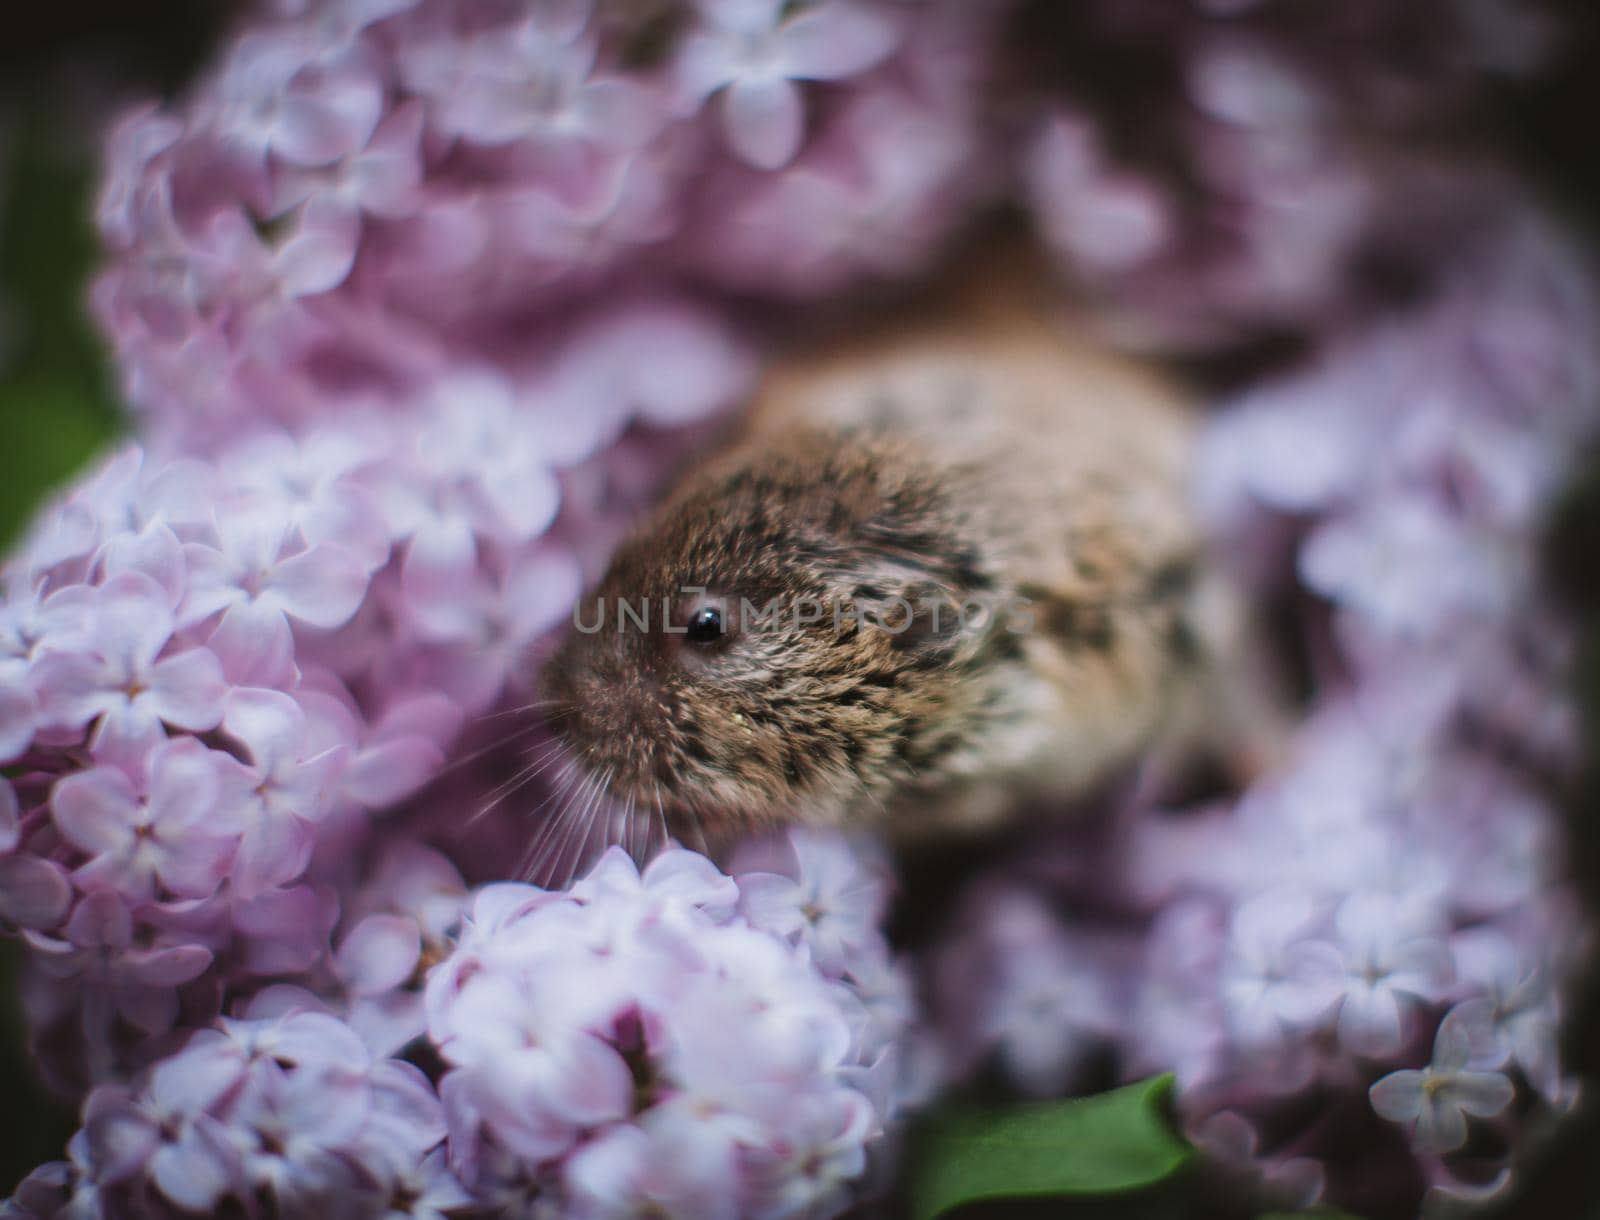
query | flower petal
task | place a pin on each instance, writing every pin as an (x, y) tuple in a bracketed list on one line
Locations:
[(286, 930), (132, 620), (34, 893), (197, 1076), (333, 123), (101, 921), (198, 1169), (1398, 1096), (272, 852), (268, 722), (186, 690), (255, 645), (322, 585), (1482, 1093), (835, 40), (385, 774), (168, 967), (379, 954), (1441, 1127), (121, 1138), (19, 714), (320, 254), (10, 817), (764, 120), (96, 810), (1369, 1020)]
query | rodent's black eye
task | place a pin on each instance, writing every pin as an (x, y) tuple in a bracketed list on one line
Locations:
[(704, 626)]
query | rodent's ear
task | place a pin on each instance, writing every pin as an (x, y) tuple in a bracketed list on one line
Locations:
[(919, 616), (911, 570)]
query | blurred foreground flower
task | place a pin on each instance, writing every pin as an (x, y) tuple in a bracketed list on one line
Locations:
[(418, 300), (635, 1043), (362, 198), (1398, 881)]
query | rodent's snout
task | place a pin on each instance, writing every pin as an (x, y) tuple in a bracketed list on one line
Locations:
[(658, 740), (609, 723)]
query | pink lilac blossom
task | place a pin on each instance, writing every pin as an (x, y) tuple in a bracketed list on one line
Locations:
[(1282, 155), (1396, 881), (635, 1041), (217, 662), (418, 299), (640, 1043), (283, 1109), (362, 199)]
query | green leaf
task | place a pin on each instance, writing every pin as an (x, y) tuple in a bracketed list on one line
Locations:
[(1111, 1143), (55, 408), (50, 428)]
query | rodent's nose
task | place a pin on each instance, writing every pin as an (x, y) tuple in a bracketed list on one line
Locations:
[(622, 710)]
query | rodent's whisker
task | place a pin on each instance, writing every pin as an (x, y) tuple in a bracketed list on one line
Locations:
[(629, 826), (701, 843), (563, 793), (877, 800), (569, 856), (544, 815), (587, 851), (526, 708), (574, 818), (659, 815), (543, 760), (455, 764)]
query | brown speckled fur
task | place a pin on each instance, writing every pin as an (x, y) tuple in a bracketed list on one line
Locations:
[(971, 450)]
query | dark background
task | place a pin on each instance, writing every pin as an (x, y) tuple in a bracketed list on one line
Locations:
[(62, 63)]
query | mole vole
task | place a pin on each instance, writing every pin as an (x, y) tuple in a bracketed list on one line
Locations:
[(943, 567)]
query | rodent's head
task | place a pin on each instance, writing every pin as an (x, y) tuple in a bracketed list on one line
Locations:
[(746, 660)]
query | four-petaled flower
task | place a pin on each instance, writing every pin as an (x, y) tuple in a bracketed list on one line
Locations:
[(122, 681), (1438, 1099), (159, 833), (755, 51), (258, 581), (1389, 964)]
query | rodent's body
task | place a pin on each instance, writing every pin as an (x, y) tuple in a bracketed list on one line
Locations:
[(966, 455)]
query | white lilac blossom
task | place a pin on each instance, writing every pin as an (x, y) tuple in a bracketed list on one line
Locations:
[(1438, 1099), (114, 680), (753, 51), (402, 922), (633, 1042), (213, 666), (639, 1043)]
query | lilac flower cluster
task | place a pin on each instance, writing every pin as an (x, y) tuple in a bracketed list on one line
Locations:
[(214, 670), (683, 1040), (1384, 907), (677, 1041), (212, 666), (367, 195), (416, 300), (411, 297), (1285, 166), (286, 1109)]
